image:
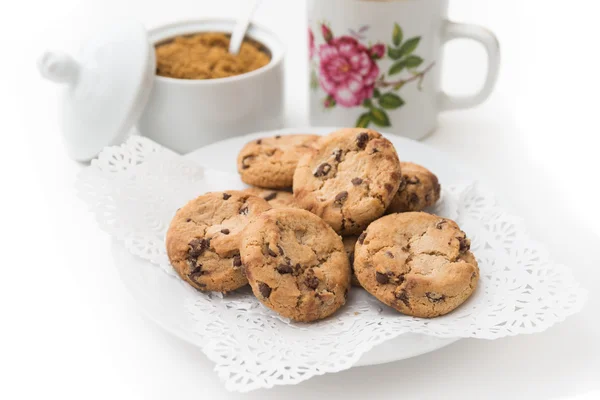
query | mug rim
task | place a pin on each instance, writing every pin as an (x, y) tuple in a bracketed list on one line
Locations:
[(265, 37)]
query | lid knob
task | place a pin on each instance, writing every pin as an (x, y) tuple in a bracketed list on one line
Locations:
[(58, 67)]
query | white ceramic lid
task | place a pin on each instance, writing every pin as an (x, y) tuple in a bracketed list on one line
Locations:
[(106, 86)]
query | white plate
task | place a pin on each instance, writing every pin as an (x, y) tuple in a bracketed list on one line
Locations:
[(161, 296)]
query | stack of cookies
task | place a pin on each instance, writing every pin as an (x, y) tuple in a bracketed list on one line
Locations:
[(324, 212)]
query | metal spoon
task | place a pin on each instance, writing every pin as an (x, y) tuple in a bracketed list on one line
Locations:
[(239, 31)]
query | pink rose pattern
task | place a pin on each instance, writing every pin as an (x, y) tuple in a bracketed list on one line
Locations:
[(349, 74), (377, 51)]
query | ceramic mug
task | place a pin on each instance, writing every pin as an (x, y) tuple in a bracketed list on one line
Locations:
[(378, 63)]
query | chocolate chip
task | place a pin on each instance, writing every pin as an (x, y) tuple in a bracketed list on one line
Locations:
[(188, 220), (375, 150), (361, 238), (197, 247), (244, 210), (245, 164), (435, 297), (264, 289), (413, 198), (259, 141), (338, 154), (440, 223), (403, 297), (357, 181), (389, 254), (270, 252), (225, 231), (465, 244), (270, 196), (341, 197), (237, 261), (413, 180), (226, 196), (277, 136), (389, 187), (196, 271), (281, 250), (312, 282), (402, 184), (395, 175), (382, 278), (322, 170), (362, 139), (284, 269)]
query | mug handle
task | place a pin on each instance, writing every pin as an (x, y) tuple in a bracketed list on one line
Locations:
[(452, 30)]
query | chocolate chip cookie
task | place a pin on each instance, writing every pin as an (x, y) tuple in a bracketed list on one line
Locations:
[(296, 264), (419, 189), (276, 198), (204, 237), (350, 180), (349, 243), (270, 162), (417, 263)]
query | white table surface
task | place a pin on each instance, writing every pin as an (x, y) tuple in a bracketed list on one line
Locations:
[(69, 329)]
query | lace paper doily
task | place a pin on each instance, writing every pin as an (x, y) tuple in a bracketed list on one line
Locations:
[(134, 190)]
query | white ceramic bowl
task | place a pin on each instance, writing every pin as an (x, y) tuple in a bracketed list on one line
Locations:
[(184, 115)]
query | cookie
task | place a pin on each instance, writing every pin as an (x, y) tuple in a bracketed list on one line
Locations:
[(419, 189), (350, 180), (296, 264), (349, 243), (417, 263), (275, 198), (204, 237), (270, 162)]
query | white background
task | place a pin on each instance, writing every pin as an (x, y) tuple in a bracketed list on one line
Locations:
[(68, 328)]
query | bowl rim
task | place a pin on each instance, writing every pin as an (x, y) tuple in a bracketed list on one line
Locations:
[(276, 57)]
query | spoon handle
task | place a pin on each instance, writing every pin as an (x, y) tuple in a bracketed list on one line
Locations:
[(239, 31)]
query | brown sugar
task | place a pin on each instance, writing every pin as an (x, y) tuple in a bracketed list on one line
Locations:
[(206, 56)]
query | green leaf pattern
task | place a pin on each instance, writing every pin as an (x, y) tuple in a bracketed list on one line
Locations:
[(397, 35), (410, 45), (391, 101), (379, 117), (364, 120), (397, 67), (413, 61)]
